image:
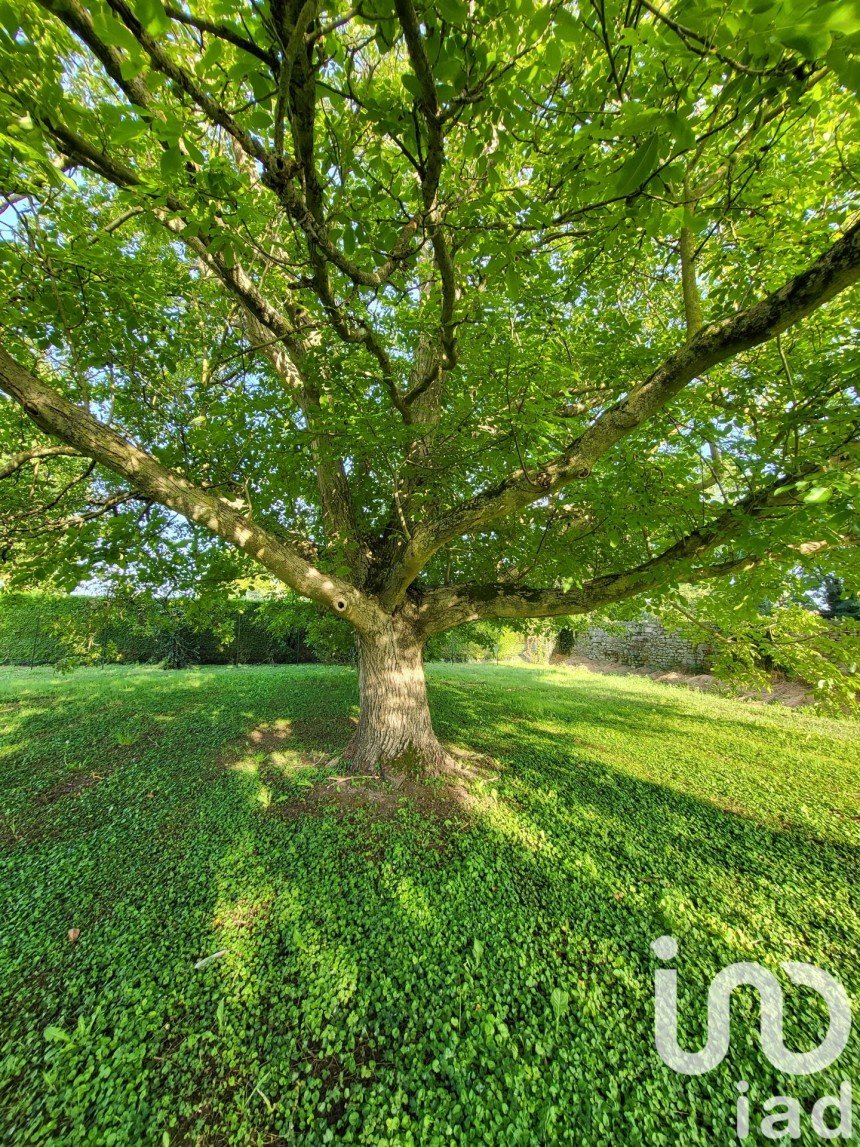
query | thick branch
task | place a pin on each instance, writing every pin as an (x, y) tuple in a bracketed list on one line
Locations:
[(277, 174), (55, 415), (836, 269), (447, 608), (332, 480), (262, 317), (430, 174), (233, 277), (450, 606), (186, 83), (79, 21), (689, 285)]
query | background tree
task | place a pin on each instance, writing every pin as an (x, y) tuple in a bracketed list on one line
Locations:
[(437, 312), (835, 602)]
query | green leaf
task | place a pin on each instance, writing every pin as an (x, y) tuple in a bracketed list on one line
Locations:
[(840, 16), (454, 11), (114, 33), (560, 1001), (637, 168), (153, 17), (512, 279), (809, 40), (636, 119), (553, 54), (132, 66), (410, 82), (567, 26), (262, 84), (681, 130), (819, 494), (10, 19), (171, 161), (845, 67)]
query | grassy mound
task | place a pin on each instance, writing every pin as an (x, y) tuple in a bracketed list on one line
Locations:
[(261, 951)]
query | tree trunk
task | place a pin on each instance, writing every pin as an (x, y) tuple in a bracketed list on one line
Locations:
[(394, 727)]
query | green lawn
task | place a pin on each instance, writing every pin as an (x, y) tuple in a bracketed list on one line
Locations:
[(391, 961)]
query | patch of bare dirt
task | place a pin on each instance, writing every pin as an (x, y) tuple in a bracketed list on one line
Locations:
[(782, 692), (299, 784), (273, 743), (447, 797), (296, 783), (336, 729), (271, 738), (70, 786), (443, 799), (243, 914), (285, 737)]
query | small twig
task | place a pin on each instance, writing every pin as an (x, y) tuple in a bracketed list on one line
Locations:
[(208, 959)]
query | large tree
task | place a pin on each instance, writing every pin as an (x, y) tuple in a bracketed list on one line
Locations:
[(435, 311)]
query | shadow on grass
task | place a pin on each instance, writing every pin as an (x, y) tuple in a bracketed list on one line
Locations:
[(366, 978)]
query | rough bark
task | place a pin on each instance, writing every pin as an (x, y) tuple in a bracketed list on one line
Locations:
[(395, 732)]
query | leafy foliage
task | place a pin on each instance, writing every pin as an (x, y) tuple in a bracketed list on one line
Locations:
[(486, 641), (752, 638), (796, 642), (203, 209)]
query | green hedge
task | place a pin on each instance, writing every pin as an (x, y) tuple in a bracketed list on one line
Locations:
[(47, 629), (68, 630)]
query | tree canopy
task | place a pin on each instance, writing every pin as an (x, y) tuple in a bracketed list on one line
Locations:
[(506, 309)]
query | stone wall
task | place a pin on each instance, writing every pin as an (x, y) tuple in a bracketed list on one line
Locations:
[(644, 644)]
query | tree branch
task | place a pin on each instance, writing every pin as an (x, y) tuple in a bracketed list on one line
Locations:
[(691, 39), (339, 515), (56, 416), (234, 278), (186, 83), (430, 174), (223, 32), (834, 271), (689, 285), (261, 316), (78, 20), (277, 173), (450, 606), (38, 452)]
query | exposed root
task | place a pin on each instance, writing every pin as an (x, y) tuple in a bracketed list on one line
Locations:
[(369, 755)]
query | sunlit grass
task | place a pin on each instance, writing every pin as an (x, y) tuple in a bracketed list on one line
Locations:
[(383, 973)]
